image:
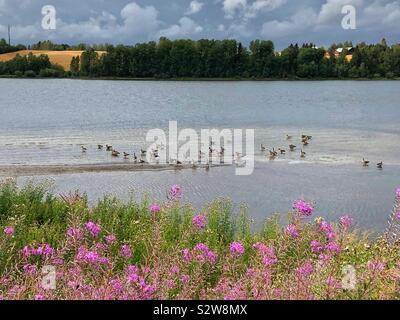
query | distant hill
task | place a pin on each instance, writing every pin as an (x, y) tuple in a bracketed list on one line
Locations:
[(62, 58)]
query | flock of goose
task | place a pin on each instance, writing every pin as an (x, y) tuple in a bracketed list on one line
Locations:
[(154, 154), (116, 154), (273, 154), (305, 140)]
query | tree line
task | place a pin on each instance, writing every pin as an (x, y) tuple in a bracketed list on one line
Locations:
[(205, 58)]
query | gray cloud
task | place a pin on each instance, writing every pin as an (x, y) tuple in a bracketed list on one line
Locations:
[(194, 7), (131, 21)]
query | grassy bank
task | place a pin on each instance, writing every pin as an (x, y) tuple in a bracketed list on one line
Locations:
[(154, 250)]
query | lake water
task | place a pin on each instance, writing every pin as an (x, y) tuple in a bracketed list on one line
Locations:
[(46, 122)]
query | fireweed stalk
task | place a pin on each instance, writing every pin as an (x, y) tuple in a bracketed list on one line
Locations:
[(167, 250)]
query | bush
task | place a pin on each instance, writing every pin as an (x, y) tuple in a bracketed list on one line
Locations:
[(51, 73), (29, 74), (127, 250)]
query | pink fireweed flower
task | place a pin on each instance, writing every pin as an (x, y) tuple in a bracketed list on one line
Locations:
[(186, 255), (268, 253), (236, 248), (47, 250), (92, 257), (26, 251), (333, 247), (8, 231), (39, 296), (376, 265), (175, 269), (292, 231), (171, 284), (212, 256), (326, 227), (333, 283), (199, 221), (116, 285), (175, 192), (29, 269), (110, 239), (316, 246), (305, 270), (155, 208), (331, 236), (126, 251), (398, 215), (185, 279), (345, 221), (303, 208), (74, 233), (93, 229), (398, 192), (201, 246)]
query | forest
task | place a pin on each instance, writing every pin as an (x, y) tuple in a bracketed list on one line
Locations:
[(212, 59)]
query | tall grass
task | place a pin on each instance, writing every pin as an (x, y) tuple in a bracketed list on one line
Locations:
[(131, 250)]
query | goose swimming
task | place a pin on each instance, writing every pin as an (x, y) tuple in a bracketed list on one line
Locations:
[(99, 146), (380, 165), (108, 147), (282, 151), (83, 149), (292, 147), (115, 153), (303, 154), (365, 163), (262, 147), (273, 153)]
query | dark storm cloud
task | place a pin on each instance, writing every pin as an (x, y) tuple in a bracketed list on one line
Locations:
[(127, 21)]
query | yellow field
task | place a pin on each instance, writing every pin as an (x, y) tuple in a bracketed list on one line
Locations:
[(62, 58)]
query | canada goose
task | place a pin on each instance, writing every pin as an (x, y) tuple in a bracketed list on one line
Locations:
[(282, 151), (108, 148), (305, 143), (126, 155), (99, 146), (303, 154), (115, 153), (273, 153), (365, 163), (262, 147), (222, 150), (309, 137), (178, 162), (142, 161), (379, 165), (292, 147), (143, 152), (288, 137), (83, 149)]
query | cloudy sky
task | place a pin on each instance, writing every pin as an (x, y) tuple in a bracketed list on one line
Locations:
[(132, 21)]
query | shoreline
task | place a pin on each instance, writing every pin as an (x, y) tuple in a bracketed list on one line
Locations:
[(201, 79), (42, 170)]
